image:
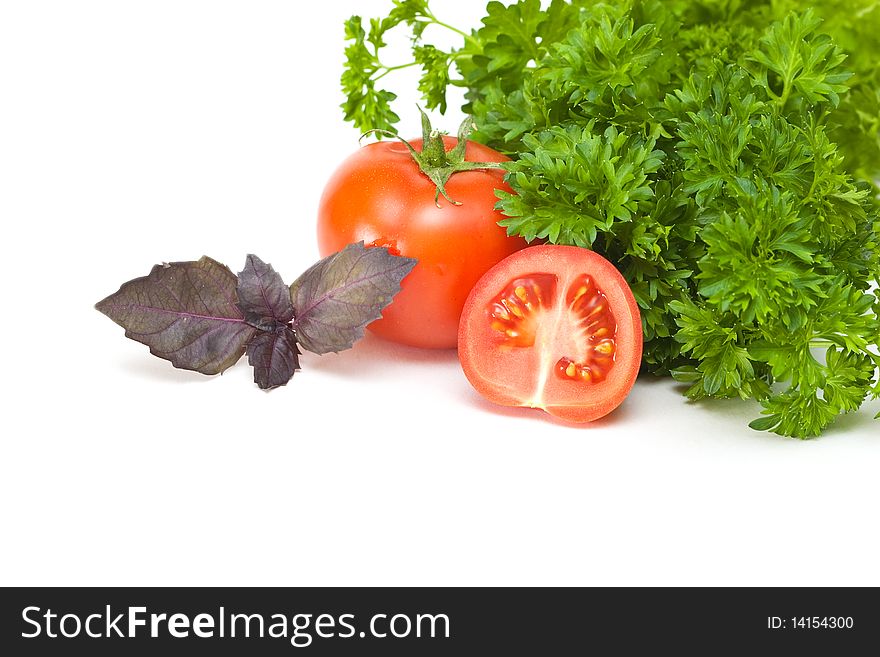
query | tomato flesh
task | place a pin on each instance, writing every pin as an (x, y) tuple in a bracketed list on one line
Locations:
[(555, 328)]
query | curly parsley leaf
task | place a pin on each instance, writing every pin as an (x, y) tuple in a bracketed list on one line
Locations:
[(573, 184), (367, 105), (795, 62)]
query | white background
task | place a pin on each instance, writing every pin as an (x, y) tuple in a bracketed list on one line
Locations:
[(138, 132)]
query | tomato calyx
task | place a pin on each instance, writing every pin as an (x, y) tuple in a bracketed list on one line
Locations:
[(435, 161)]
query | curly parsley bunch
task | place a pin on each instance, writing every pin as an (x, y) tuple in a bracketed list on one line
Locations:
[(722, 153)]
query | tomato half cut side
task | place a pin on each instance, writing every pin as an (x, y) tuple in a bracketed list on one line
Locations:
[(555, 328)]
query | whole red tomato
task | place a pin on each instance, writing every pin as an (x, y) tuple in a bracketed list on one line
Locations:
[(381, 195)]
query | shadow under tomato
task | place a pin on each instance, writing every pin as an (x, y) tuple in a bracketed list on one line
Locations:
[(617, 416), (372, 355)]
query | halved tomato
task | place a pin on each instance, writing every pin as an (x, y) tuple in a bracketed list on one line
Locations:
[(555, 328)]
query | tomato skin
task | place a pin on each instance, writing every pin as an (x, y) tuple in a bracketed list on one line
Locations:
[(525, 375), (379, 195)]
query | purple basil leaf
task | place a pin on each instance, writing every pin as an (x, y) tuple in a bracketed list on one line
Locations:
[(262, 294), (185, 312), (338, 296), (275, 357)]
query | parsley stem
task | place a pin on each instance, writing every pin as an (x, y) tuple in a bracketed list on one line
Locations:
[(867, 10), (809, 199), (784, 98), (388, 69), (454, 29), (435, 21), (788, 81)]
